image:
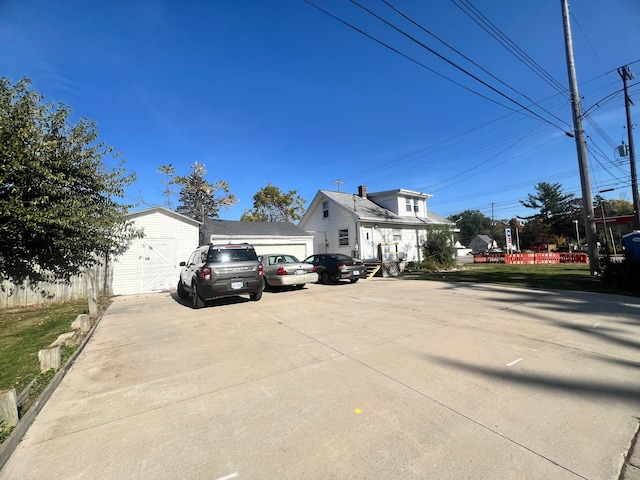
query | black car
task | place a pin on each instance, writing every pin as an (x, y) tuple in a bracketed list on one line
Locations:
[(215, 271), (332, 267)]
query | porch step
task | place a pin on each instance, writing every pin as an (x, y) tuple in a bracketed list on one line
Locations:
[(372, 269)]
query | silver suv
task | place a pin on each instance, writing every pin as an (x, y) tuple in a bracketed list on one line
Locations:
[(215, 271)]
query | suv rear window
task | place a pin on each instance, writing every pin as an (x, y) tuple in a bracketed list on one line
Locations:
[(224, 255)]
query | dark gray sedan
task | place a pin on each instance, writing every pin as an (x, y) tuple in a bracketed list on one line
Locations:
[(332, 267), (283, 270)]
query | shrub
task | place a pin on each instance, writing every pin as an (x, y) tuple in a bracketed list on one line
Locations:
[(438, 249), (623, 276)]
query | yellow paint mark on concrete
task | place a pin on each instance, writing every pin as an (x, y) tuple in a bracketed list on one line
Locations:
[(357, 411)]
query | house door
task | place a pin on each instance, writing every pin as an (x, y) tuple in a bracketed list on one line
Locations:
[(368, 245), (157, 268)]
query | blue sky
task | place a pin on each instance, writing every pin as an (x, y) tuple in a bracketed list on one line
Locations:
[(279, 92)]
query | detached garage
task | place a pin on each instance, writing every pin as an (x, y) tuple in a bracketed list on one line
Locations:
[(151, 263), (266, 237)]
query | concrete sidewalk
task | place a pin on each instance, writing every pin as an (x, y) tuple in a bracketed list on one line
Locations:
[(380, 379)]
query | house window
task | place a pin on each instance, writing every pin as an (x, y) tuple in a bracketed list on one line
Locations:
[(343, 236), (325, 209), (397, 235), (408, 207), (416, 206)]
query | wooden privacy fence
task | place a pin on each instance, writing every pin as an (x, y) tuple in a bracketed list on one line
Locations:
[(19, 295), (532, 258)]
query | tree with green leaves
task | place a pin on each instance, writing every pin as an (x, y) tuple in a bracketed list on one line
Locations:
[(535, 233), (613, 208), (550, 201), (59, 209), (270, 204), (471, 223), (200, 199), (438, 249)]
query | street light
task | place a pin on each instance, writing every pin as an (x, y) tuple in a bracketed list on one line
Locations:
[(577, 233)]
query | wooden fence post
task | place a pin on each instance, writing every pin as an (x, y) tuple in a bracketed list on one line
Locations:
[(92, 291), (9, 407), (82, 323), (50, 357)]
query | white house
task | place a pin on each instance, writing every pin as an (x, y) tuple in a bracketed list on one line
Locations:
[(389, 225), (482, 242), (151, 264), (266, 237)]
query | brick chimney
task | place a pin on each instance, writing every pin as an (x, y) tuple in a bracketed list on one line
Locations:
[(362, 191)]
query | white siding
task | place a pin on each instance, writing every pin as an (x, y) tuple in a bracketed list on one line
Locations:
[(301, 247), (407, 246), (390, 201), (327, 228), (152, 263)]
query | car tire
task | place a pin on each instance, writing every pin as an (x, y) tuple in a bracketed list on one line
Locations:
[(256, 296), (182, 292), (299, 287), (197, 301), (353, 280), (325, 278)]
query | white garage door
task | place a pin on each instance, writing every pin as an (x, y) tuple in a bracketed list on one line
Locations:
[(157, 267)]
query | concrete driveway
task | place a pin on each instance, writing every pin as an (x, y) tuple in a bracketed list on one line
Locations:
[(383, 379)]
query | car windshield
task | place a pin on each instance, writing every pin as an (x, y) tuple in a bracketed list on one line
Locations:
[(232, 255), (275, 259)]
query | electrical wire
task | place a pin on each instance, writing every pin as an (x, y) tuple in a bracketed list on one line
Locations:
[(474, 14), (371, 37), (424, 29), (458, 67)]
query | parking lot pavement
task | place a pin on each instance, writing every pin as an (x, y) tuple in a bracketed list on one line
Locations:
[(380, 379)]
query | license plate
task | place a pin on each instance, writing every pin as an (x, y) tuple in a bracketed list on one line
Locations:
[(356, 272), (299, 272), (236, 285)]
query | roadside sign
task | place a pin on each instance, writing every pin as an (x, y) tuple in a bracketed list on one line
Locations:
[(507, 234)]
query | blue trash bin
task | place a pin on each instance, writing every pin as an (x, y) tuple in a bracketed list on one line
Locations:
[(631, 242)]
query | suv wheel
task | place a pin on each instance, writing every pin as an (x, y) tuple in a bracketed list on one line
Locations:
[(324, 278), (197, 302), (182, 293), (256, 296)]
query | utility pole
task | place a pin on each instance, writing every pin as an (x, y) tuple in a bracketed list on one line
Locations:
[(626, 74), (587, 200)]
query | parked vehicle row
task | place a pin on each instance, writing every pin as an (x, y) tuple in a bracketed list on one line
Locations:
[(217, 271)]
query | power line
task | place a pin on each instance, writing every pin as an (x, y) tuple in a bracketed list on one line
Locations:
[(371, 37), (474, 14), (468, 59), (458, 67)]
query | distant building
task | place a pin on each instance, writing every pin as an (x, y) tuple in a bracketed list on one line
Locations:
[(482, 242)]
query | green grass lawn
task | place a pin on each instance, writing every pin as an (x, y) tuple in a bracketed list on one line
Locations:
[(564, 276), (26, 330), (23, 332)]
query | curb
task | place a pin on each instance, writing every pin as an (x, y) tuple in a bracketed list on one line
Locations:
[(10, 444), (631, 466)]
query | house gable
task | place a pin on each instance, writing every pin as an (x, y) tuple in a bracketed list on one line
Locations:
[(151, 263), (360, 226)]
